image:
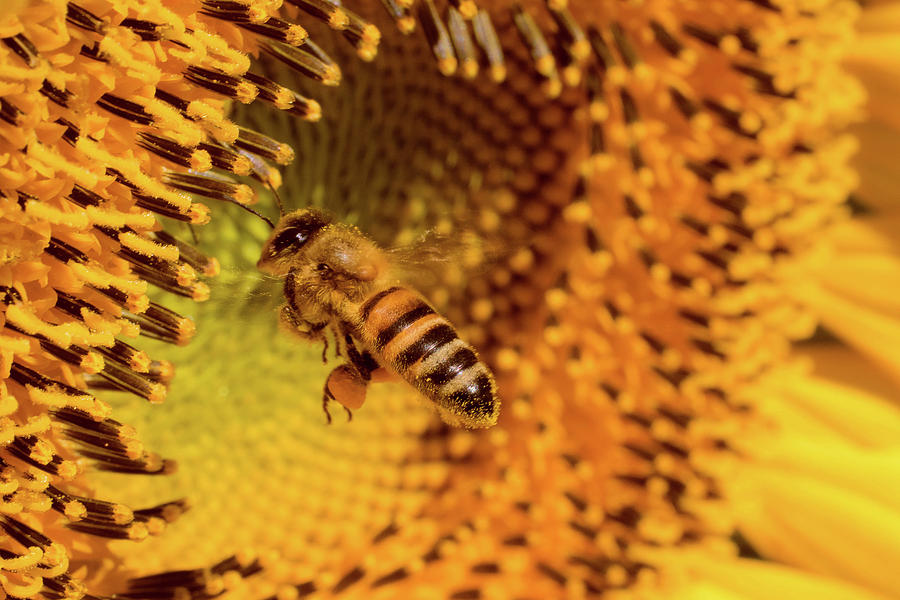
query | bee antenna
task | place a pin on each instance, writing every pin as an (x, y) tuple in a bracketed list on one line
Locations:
[(250, 210), (264, 218), (277, 200)]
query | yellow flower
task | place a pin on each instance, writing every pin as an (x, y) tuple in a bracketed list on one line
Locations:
[(660, 196)]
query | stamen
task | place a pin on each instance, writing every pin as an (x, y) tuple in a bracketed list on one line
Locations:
[(438, 37), (149, 464), (87, 360), (220, 82), (146, 30), (685, 106), (163, 585), (24, 534), (131, 531), (23, 47), (666, 39), (704, 35), (125, 379), (534, 39), (64, 587), (160, 207), (162, 371), (279, 30), (271, 92), (160, 323), (58, 96), (605, 59), (226, 159), (733, 119), (486, 36), (80, 508), (623, 44), (362, 35), (190, 255), (192, 158), (571, 33), (9, 113), (304, 62), (264, 146), (245, 564), (329, 12), (125, 109), (765, 82), (41, 454), (210, 186), (107, 436), (43, 390), (404, 20), (467, 8), (83, 18), (462, 41), (177, 280), (168, 512), (126, 355), (237, 12)]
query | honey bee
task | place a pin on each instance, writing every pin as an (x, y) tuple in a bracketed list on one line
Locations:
[(338, 280)]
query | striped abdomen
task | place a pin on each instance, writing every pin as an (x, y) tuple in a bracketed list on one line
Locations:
[(423, 348)]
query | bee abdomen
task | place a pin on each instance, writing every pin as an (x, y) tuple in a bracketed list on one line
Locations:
[(424, 348)]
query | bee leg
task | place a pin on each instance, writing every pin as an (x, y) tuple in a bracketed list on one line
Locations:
[(364, 363), (337, 345), (325, 399), (324, 349)]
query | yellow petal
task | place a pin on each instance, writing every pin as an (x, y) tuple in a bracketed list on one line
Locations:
[(858, 416), (842, 364), (819, 526), (875, 162), (864, 327), (759, 580), (875, 59)]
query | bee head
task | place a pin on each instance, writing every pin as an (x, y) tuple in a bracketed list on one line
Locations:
[(291, 234)]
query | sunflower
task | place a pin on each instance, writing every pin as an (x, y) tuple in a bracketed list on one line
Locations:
[(666, 226)]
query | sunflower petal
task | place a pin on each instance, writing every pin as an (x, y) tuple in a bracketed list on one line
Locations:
[(820, 526)]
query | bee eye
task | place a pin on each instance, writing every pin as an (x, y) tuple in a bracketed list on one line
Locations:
[(323, 270), (290, 237)]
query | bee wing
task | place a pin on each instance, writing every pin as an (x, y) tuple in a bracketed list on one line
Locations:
[(434, 257)]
